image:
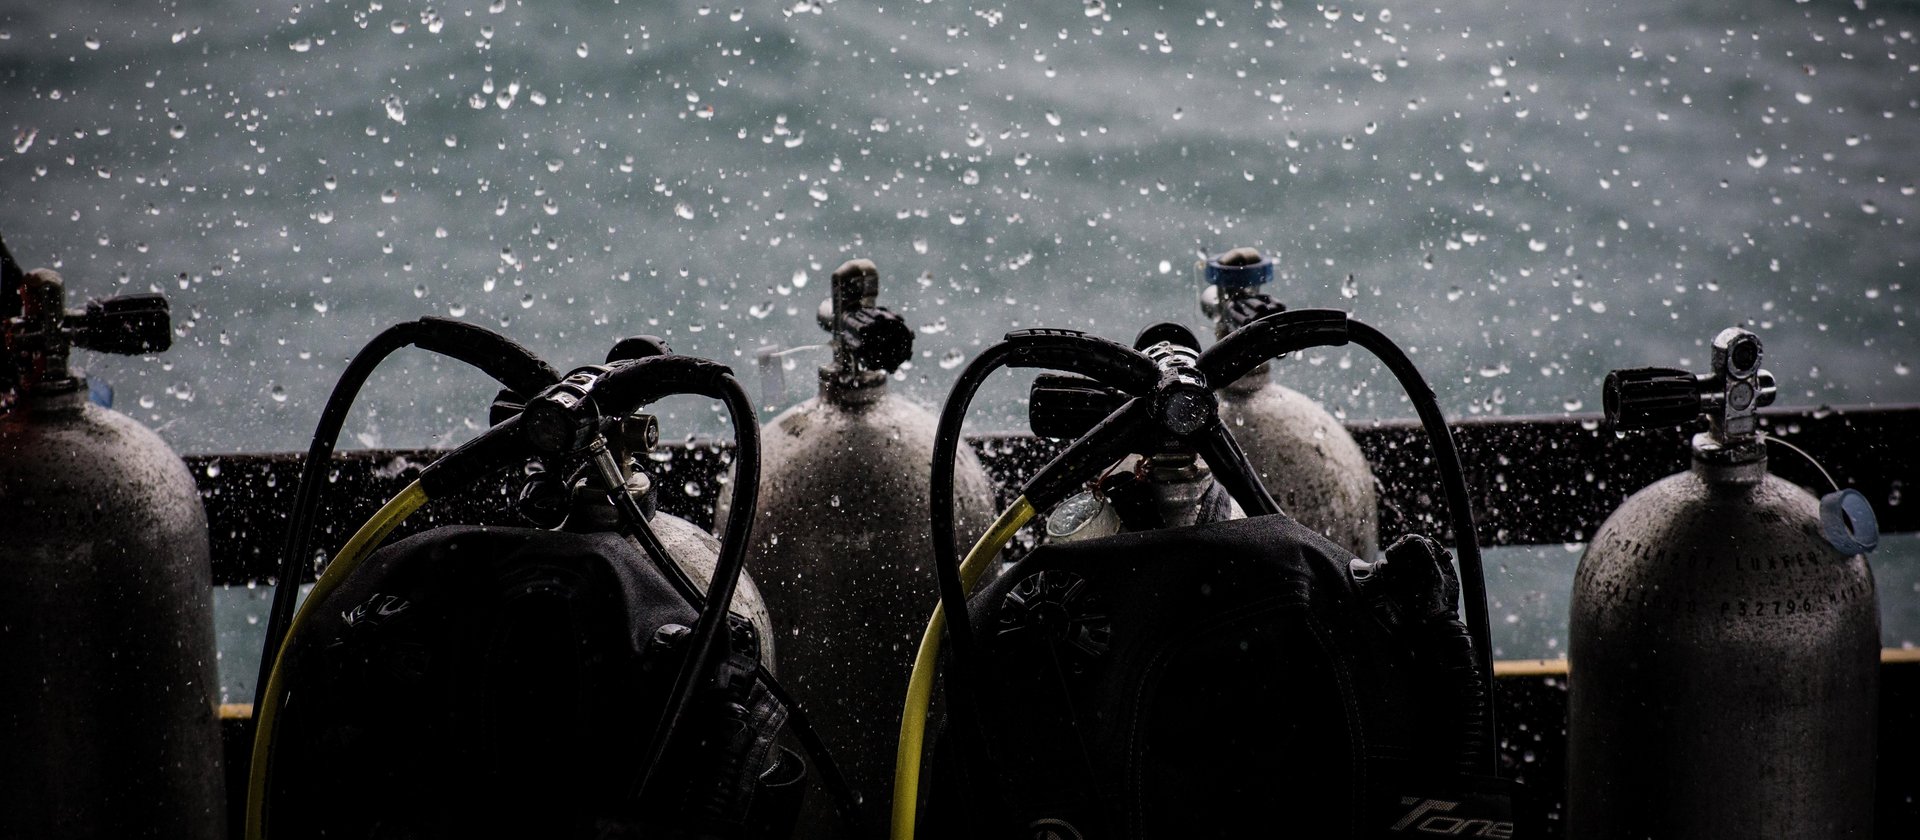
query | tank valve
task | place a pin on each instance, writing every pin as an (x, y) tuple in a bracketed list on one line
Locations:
[(38, 330), (1231, 285), (869, 341), (1730, 396)]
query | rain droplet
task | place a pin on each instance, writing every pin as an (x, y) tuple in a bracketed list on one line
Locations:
[(420, 291), (581, 50), (278, 393), (398, 27), (761, 309), (683, 210), (23, 141), (958, 218), (880, 125), (975, 139), (389, 197), (92, 42), (1869, 208), (496, 7), (920, 245), (177, 131), (1096, 8), (953, 358), (526, 300), (1536, 245), (301, 45), (324, 217), (1757, 159), (1053, 118)]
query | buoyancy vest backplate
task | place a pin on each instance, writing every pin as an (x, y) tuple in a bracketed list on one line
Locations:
[(1221, 680), (487, 682)]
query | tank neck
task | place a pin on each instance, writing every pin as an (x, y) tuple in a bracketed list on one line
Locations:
[(1255, 381), (858, 389), (1741, 461), (47, 399)]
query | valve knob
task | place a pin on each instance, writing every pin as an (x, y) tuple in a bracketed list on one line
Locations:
[(129, 325), (1651, 398), (878, 338)]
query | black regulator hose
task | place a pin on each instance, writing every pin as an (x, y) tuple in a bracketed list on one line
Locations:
[(1245, 348), (513, 365), (622, 391), (1106, 361)]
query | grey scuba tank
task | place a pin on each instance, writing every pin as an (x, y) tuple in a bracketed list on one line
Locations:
[(108, 706), (841, 543), (1725, 640), (1313, 468)]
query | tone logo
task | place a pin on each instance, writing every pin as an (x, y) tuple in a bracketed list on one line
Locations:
[(1430, 816)]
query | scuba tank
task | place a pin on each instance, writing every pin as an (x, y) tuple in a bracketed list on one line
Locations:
[(557, 682), (108, 722), (1171, 487), (1314, 468), (1225, 679), (840, 542), (1725, 639)]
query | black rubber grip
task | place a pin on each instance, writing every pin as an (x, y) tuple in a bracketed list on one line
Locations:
[(642, 381), (1109, 362), (1651, 398), (1270, 337), (506, 360)]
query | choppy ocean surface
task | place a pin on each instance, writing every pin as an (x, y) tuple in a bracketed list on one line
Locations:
[(1527, 193)]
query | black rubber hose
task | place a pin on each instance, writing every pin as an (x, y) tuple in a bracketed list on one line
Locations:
[(1104, 361), (1446, 458), (1108, 441), (846, 803), (698, 666), (500, 357), (1232, 469), (1287, 332), (946, 561)]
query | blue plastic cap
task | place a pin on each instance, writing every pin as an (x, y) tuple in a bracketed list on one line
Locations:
[(1847, 519), (1239, 276)]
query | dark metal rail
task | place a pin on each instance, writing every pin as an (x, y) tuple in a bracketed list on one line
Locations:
[(1536, 480)]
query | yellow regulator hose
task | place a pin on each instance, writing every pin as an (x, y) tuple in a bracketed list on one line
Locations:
[(913, 719), (350, 557)]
